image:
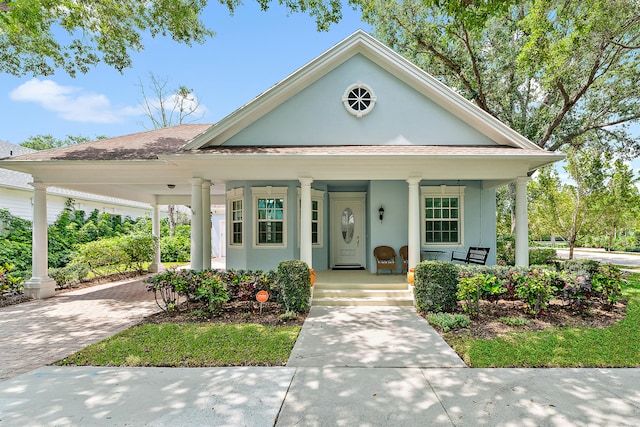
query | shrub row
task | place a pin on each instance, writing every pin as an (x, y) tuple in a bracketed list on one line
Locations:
[(439, 285), (289, 285), (10, 283)]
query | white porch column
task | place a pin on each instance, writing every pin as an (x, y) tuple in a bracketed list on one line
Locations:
[(154, 267), (414, 222), (196, 224), (206, 224), (522, 222), (306, 244), (40, 285)]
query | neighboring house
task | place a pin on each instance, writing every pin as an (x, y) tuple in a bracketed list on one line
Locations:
[(356, 149), (16, 194)]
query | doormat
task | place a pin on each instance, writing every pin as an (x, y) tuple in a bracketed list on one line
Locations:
[(346, 267)]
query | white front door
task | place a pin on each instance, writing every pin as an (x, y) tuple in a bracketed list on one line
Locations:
[(348, 224)]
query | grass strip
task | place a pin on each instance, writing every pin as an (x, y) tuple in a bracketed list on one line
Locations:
[(191, 345), (616, 346)]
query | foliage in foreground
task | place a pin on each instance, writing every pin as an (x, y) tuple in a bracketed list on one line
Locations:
[(615, 346), (191, 345)]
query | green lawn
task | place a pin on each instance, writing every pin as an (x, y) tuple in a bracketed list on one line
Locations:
[(191, 345), (616, 346)]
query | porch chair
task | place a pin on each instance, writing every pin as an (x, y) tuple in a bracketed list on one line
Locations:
[(404, 255), (385, 258)]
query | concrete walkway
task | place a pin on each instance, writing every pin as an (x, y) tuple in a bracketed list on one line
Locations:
[(370, 337), (352, 366)]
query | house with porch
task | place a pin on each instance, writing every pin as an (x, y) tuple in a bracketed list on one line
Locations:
[(359, 148)]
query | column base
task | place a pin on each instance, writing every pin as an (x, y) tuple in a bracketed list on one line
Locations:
[(155, 268), (40, 288)]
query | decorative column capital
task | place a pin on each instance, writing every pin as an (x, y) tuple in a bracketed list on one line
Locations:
[(522, 180), (414, 181), (305, 182), (196, 181), (206, 183), (38, 185)]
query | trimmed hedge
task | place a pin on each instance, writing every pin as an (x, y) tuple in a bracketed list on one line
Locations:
[(293, 280), (436, 285)]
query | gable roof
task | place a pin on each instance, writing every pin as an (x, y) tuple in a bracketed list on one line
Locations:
[(362, 43)]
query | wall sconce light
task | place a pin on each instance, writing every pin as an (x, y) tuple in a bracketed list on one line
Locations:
[(381, 212), (171, 186)]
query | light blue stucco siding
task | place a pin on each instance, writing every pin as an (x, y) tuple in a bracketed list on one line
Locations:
[(401, 116), (479, 219), (393, 230), (479, 224), (255, 257)]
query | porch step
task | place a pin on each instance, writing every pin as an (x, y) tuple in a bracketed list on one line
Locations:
[(368, 297)]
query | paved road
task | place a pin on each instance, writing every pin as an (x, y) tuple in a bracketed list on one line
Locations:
[(626, 259)]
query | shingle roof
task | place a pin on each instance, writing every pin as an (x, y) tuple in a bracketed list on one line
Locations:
[(374, 150), (138, 146)]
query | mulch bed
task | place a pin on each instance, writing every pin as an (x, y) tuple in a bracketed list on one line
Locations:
[(487, 324), (234, 312)]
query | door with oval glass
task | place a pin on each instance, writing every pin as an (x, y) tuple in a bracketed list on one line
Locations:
[(347, 230)]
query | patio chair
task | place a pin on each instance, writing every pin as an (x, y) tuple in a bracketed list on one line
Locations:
[(385, 258), (404, 255)]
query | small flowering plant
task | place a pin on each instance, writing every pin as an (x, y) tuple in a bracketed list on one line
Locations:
[(577, 291)]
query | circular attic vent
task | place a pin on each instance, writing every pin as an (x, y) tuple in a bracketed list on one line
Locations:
[(359, 99)]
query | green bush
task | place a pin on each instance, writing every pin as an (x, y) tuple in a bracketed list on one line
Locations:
[(211, 290), (449, 322), (608, 280), (117, 254), (138, 249), (294, 283), (69, 274), (9, 283), (168, 287), (436, 285), (175, 249), (540, 256), (17, 254), (506, 250), (100, 255), (536, 290)]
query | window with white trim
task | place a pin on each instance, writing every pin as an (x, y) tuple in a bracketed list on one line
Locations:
[(317, 198), (270, 208), (235, 206), (442, 215)]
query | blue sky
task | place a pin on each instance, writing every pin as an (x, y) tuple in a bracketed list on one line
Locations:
[(251, 51)]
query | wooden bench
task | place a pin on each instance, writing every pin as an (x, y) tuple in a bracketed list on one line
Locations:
[(475, 255)]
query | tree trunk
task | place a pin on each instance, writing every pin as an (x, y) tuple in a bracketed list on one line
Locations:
[(172, 220)]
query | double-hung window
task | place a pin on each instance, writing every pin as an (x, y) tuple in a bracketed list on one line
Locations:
[(317, 198), (235, 209), (442, 215), (270, 208)]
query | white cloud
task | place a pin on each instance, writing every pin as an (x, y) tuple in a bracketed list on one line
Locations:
[(71, 103)]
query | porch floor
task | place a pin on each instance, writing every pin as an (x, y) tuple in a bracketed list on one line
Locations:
[(359, 287)]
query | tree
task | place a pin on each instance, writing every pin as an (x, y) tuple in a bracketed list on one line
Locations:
[(621, 202), (45, 142), (559, 72), (168, 108), (570, 209), (41, 37)]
